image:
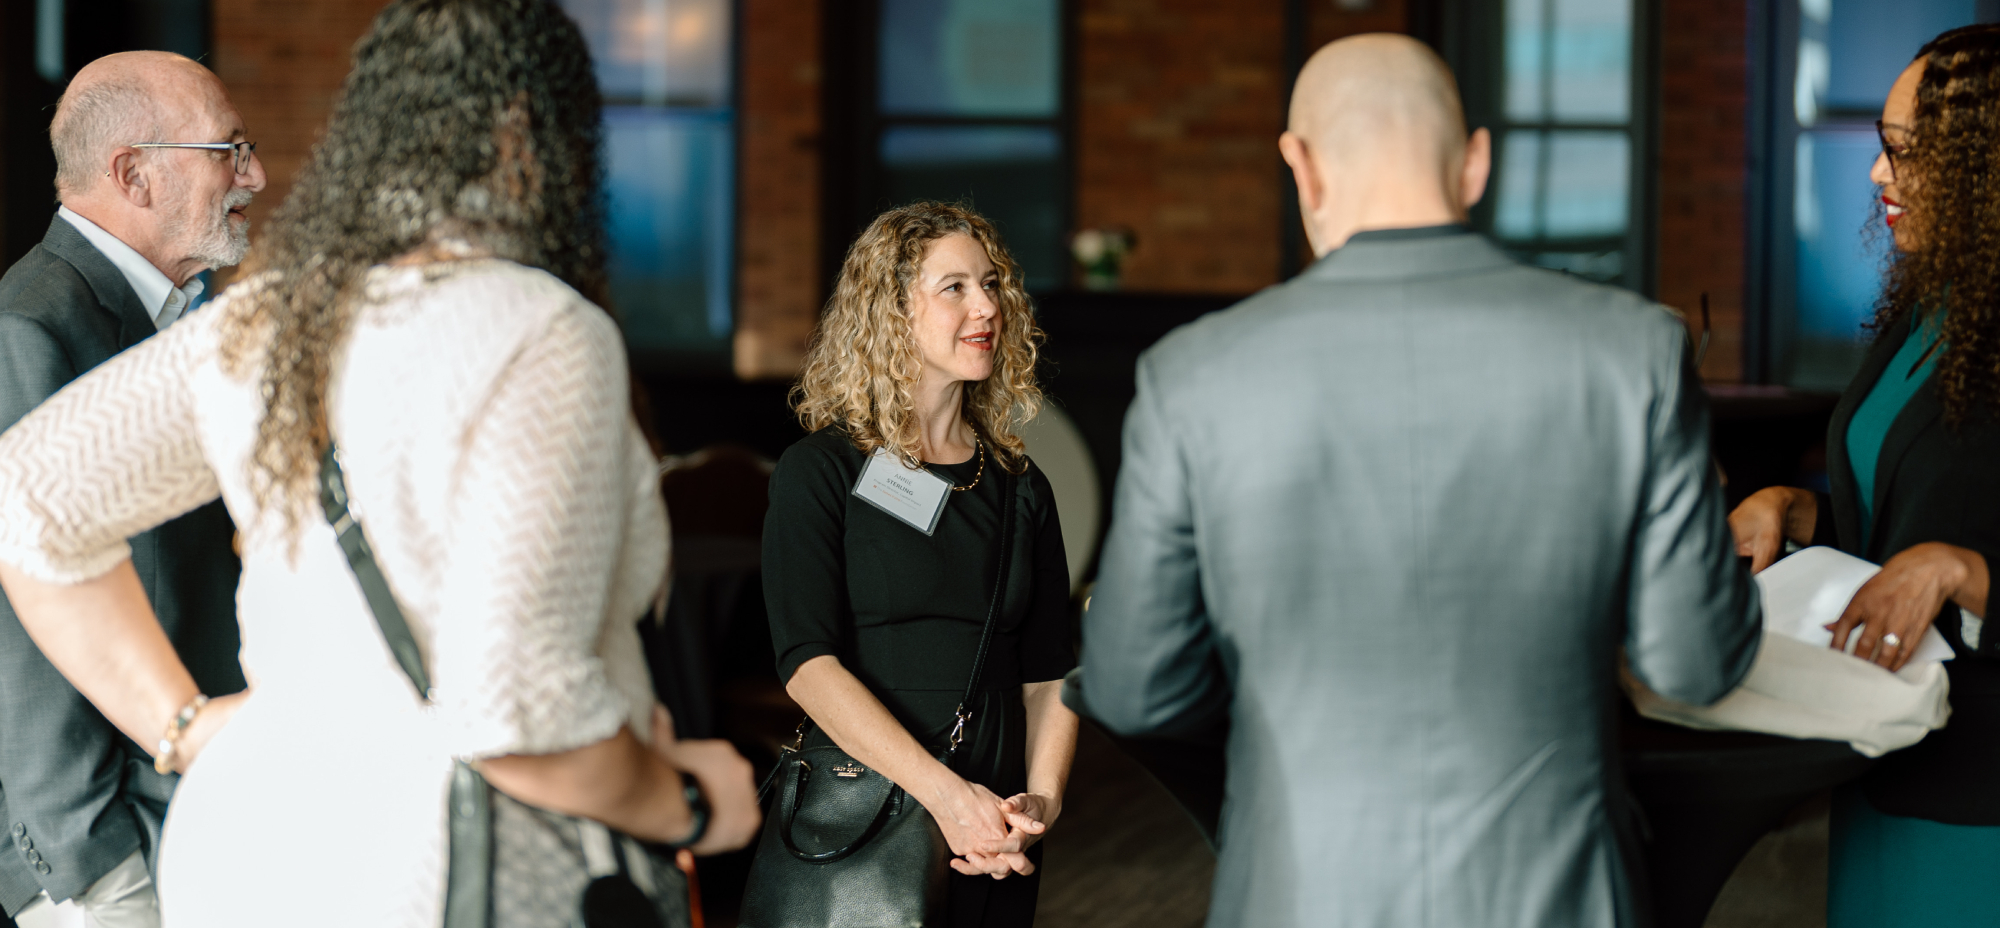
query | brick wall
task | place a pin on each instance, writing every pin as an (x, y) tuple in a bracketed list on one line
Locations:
[(778, 188), (283, 61), (1178, 114), (1704, 168), (1179, 107), (1329, 22), (1179, 104)]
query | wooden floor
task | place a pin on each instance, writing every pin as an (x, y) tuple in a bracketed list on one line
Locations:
[(1782, 883), (1123, 854)]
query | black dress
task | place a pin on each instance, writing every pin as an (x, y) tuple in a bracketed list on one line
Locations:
[(903, 612)]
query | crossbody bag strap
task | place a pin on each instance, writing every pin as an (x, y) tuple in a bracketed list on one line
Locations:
[(346, 524), (1006, 558), (468, 899), (964, 711)]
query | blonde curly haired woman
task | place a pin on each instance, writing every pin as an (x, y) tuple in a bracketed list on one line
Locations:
[(923, 365)]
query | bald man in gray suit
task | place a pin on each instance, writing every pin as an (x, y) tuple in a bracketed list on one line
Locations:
[(1394, 520)]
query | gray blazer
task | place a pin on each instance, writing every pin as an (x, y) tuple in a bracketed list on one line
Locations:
[(76, 796), (1397, 517)]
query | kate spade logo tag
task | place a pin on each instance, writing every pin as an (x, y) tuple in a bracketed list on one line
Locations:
[(849, 769)]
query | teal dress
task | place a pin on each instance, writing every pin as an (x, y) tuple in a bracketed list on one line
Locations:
[(1889, 871)]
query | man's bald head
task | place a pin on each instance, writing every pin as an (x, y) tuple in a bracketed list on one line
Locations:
[(179, 200), (1377, 141), (125, 98), (1381, 99)]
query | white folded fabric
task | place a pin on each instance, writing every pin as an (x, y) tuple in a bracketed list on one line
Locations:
[(1801, 688)]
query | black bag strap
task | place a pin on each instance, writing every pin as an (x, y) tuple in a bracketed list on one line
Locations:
[(469, 877), (963, 714), (1006, 559), (361, 557)]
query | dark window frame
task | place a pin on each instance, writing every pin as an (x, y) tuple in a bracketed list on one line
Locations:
[(703, 360), (1470, 35), (854, 185)]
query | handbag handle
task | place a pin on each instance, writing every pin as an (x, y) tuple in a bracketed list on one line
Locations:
[(790, 806)]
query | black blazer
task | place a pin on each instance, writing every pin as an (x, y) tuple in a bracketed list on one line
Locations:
[(76, 796), (1931, 484)]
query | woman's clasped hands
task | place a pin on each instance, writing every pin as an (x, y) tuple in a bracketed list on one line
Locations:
[(988, 834)]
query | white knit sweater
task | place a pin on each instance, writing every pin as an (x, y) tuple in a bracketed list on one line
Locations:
[(485, 430)]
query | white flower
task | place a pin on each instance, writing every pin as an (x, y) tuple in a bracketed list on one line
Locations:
[(1089, 246)]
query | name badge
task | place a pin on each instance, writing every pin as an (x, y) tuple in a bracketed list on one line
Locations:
[(913, 495)]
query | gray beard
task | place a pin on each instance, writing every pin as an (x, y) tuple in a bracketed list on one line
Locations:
[(221, 243), (223, 247)]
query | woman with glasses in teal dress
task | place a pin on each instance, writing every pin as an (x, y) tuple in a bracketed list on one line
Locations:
[(1913, 462)]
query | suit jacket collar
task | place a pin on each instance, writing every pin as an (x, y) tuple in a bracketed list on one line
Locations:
[(114, 293), (1399, 254), (1923, 409)]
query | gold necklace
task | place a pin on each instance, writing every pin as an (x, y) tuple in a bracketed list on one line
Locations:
[(981, 446)]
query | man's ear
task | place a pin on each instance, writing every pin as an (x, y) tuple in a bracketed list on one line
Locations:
[(127, 181), (1478, 168), (1312, 187)]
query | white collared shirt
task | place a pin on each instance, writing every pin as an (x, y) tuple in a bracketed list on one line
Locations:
[(164, 302)]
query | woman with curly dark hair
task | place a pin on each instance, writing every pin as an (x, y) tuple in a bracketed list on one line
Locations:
[(424, 301), (1913, 456)]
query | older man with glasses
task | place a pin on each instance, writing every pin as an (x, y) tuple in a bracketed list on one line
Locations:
[(153, 174)]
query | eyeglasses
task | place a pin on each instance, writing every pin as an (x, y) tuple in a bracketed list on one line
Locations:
[(240, 152), (1894, 152)]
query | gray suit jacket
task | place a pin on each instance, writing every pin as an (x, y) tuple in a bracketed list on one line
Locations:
[(1396, 517), (76, 796)]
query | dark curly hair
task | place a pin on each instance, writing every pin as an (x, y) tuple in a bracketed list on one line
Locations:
[(476, 120), (1955, 265)]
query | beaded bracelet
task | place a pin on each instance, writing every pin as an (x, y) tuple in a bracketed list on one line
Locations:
[(163, 760)]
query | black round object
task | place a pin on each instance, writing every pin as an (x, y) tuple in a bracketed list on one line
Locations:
[(616, 902)]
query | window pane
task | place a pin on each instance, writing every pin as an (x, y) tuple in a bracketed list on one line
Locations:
[(1569, 60), (1588, 191), (1593, 60), (1525, 64), (969, 57), (672, 225), (1839, 252), (673, 52), (1872, 41), (1562, 185), (1516, 211), (1010, 174)]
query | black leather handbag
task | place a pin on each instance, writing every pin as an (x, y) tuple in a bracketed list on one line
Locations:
[(843, 846), (601, 878)]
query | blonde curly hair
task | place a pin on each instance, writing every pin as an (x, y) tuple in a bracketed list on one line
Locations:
[(862, 369)]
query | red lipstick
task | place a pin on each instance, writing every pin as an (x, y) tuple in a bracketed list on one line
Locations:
[(980, 340), (1891, 210)]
